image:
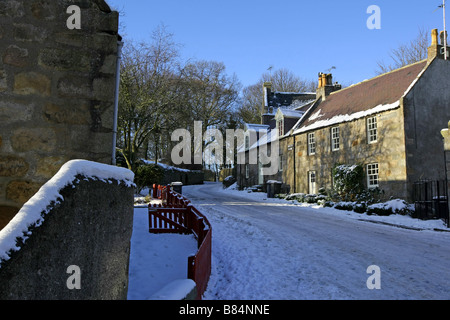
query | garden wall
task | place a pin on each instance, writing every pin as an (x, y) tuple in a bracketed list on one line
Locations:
[(80, 221), (186, 177)]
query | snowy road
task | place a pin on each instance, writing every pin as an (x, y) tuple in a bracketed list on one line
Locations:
[(267, 250)]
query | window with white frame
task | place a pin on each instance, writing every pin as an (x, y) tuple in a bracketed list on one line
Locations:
[(335, 140), (372, 131), (280, 162), (247, 171), (372, 175), (311, 143), (280, 125)]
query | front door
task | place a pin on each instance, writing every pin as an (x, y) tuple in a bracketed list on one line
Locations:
[(312, 182), (260, 173)]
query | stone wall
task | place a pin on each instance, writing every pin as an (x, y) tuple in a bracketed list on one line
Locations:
[(427, 110), (388, 152), (57, 90), (191, 177), (90, 229)]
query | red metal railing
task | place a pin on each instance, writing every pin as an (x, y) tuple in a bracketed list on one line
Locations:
[(176, 214)]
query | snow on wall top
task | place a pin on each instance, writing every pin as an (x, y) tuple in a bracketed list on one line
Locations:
[(33, 211)]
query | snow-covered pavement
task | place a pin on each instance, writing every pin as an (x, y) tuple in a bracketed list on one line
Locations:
[(266, 249), (156, 260)]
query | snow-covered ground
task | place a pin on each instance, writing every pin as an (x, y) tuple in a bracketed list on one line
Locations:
[(156, 260), (266, 249)]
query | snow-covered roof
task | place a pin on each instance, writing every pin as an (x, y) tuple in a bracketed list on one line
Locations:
[(270, 136), (289, 113), (375, 95), (255, 126), (289, 100)]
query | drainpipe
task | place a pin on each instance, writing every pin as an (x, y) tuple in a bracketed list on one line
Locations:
[(445, 33), (116, 101), (295, 168)]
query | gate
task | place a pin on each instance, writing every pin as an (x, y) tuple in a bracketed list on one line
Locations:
[(430, 200)]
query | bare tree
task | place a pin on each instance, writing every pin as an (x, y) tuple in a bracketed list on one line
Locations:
[(209, 92), (209, 95), (149, 72), (284, 80), (414, 51), (250, 110)]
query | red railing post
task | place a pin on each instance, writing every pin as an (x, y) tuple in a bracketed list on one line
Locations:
[(155, 191)]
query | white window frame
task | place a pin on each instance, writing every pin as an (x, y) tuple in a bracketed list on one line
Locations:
[(280, 127), (311, 143), (247, 171), (335, 139), (373, 175), (280, 163), (372, 130)]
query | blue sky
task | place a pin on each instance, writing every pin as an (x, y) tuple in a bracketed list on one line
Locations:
[(305, 37)]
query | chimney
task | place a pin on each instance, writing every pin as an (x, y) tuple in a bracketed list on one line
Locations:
[(437, 49), (267, 93), (326, 86), (434, 37)]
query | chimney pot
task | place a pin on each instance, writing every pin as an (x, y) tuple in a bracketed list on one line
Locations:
[(434, 37), (329, 78)]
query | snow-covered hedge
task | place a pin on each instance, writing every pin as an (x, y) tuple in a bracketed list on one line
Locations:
[(396, 206), (228, 181)]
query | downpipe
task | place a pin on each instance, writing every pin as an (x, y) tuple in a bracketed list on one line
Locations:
[(116, 102)]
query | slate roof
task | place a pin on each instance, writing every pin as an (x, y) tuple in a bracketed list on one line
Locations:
[(376, 94), (289, 100)]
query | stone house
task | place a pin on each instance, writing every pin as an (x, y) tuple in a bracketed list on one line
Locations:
[(57, 91), (281, 111), (390, 125)]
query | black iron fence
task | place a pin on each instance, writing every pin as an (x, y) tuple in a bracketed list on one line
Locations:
[(430, 200)]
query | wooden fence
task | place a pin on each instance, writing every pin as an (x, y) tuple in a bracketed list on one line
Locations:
[(176, 214)]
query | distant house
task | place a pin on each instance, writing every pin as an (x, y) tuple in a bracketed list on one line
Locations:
[(389, 124), (282, 110)]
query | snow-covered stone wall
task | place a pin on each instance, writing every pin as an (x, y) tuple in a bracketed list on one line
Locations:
[(72, 239)]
